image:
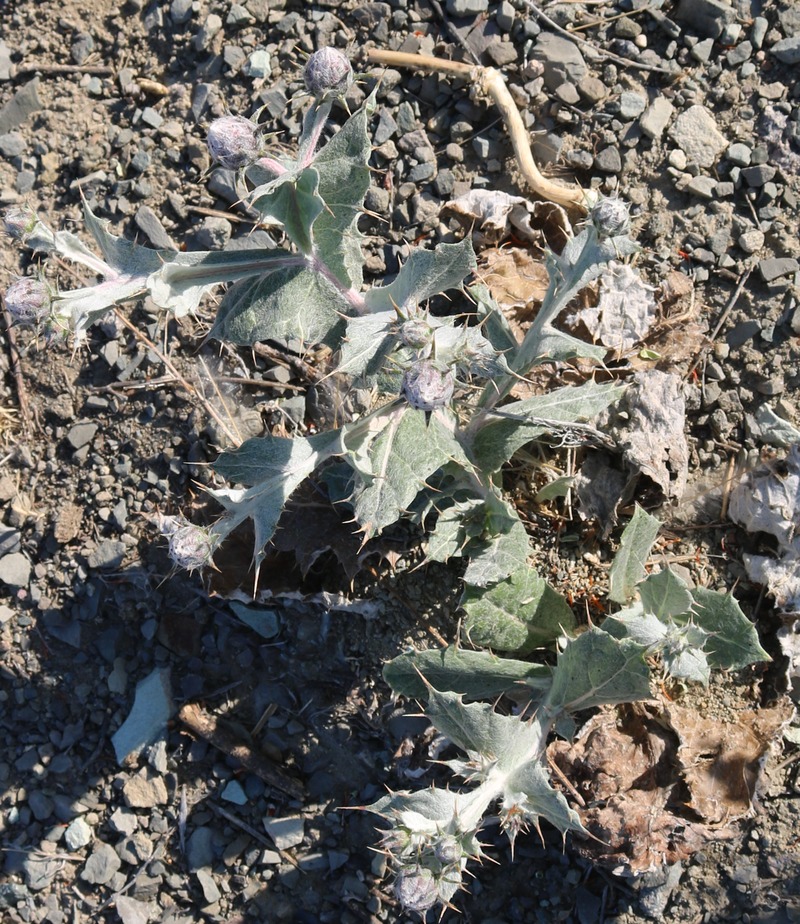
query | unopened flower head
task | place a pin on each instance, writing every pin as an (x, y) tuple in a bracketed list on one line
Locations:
[(328, 73), (611, 217), (416, 889), (234, 142), (426, 386), (28, 300), (190, 547), (18, 223), (416, 333)]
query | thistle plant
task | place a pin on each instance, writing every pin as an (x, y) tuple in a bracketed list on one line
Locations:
[(430, 450)]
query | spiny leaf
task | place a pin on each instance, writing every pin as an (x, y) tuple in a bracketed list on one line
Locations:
[(519, 614), (294, 201), (475, 674), (455, 526), (502, 550), (499, 437), (539, 799), (409, 448), (665, 594), (426, 273), (289, 303), (628, 567), (734, 641), (368, 340), (596, 669)]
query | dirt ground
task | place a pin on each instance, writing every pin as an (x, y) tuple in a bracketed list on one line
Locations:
[(111, 102)]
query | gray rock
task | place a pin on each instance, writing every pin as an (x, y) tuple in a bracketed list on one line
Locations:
[(561, 58), (786, 50), (11, 893), (739, 54), (258, 65), (608, 160), (15, 570), (10, 540), (739, 154), (501, 53), (702, 186), (152, 709), (751, 241), (631, 105), (81, 434), (144, 791), (211, 891), (5, 61), (759, 31), (386, 127), (180, 11), (20, 107), (705, 17), (775, 267), (41, 805), (467, 7), (150, 225), (200, 849), (696, 134), (78, 834), (101, 865), (592, 89), (238, 16), (505, 16), (209, 29), (132, 911), (213, 233), (82, 47), (656, 887), (654, 121), (39, 872), (109, 554), (12, 145), (759, 175), (702, 51), (124, 821), (285, 832)]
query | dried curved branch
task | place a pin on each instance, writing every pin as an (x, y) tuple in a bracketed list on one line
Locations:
[(490, 82)]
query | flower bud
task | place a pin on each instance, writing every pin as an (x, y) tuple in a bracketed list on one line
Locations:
[(448, 851), (234, 142), (328, 73), (190, 547), (426, 386), (416, 333), (28, 300), (416, 889), (611, 217), (18, 223)]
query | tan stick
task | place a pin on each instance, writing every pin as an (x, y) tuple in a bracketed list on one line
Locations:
[(206, 726), (490, 82)]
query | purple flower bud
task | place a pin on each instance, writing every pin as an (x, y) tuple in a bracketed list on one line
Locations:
[(190, 547), (416, 889), (28, 300), (18, 223), (611, 217), (416, 333), (426, 386), (448, 851), (328, 73), (234, 142)]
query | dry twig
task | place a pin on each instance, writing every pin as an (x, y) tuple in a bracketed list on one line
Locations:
[(28, 420), (206, 726), (490, 82)]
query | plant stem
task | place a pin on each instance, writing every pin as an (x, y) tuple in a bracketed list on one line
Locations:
[(313, 124)]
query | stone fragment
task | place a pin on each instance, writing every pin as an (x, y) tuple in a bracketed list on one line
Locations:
[(751, 241), (5, 61), (20, 107), (15, 570), (144, 791), (501, 53), (109, 554), (705, 17), (654, 121), (101, 865), (259, 65), (608, 160), (211, 891), (150, 225), (10, 540), (759, 174), (561, 58), (775, 267), (12, 145), (40, 804), (131, 911), (152, 709), (631, 104), (124, 821), (200, 849), (702, 186), (505, 16), (39, 872), (467, 7), (702, 51), (696, 133), (180, 11), (81, 434), (739, 154), (209, 29), (78, 834), (592, 89), (285, 832), (82, 47), (786, 50)]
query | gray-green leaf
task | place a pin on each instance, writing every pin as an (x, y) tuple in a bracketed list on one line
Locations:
[(474, 674), (519, 614), (596, 669), (294, 201), (664, 594), (503, 549), (628, 567), (734, 641)]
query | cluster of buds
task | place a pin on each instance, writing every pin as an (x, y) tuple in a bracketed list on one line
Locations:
[(430, 860), (190, 547), (328, 73), (23, 225)]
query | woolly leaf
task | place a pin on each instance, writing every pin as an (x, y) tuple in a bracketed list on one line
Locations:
[(293, 199), (628, 567), (502, 549), (367, 342), (519, 614), (665, 594), (733, 641)]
